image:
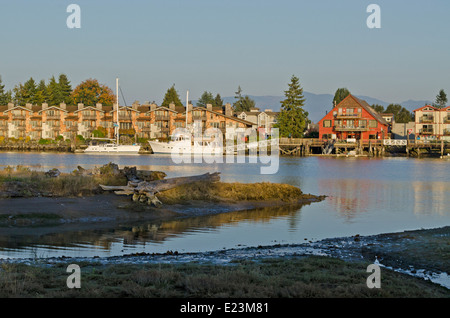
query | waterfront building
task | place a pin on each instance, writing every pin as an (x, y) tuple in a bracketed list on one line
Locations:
[(145, 121), (262, 120), (432, 123), (353, 119)]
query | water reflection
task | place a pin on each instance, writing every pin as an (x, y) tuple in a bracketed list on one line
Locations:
[(365, 196), (147, 236)]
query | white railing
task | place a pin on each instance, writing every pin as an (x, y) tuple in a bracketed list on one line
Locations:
[(395, 142)]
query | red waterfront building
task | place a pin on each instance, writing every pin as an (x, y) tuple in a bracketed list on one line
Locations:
[(353, 118)]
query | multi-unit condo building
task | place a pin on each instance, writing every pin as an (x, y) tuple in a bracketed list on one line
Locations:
[(432, 123), (145, 121), (353, 119), (264, 120)]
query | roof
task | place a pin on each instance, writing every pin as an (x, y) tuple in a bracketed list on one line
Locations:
[(429, 106), (370, 110), (246, 122)]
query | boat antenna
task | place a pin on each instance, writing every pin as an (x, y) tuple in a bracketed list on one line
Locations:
[(117, 102), (187, 108)]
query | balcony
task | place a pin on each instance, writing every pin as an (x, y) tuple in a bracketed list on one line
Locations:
[(347, 116), (426, 131), (159, 117), (446, 132), (15, 116), (426, 119), (197, 117), (90, 117), (346, 128)]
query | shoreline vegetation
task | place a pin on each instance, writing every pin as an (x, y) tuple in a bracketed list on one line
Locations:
[(331, 268), (31, 190), (328, 268)]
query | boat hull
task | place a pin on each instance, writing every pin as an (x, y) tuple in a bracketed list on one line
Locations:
[(121, 149), (182, 147)]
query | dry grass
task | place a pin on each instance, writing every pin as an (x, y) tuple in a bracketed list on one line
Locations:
[(21, 181), (233, 192)]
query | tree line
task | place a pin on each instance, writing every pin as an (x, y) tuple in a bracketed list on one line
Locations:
[(57, 91), (292, 120)]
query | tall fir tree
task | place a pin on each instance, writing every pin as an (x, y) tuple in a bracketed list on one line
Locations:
[(218, 101), (53, 91), (4, 95), (441, 99), (293, 119), (65, 89), (29, 91), (242, 103), (171, 97)]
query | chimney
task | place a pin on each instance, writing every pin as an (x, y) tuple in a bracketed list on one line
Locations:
[(29, 106), (10, 105), (44, 106), (153, 106), (209, 107), (62, 106), (80, 106), (99, 106), (135, 105), (172, 106), (228, 110)]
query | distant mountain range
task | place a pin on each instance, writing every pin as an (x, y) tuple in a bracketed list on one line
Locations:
[(318, 104)]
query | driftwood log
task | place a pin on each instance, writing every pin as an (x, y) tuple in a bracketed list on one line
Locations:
[(145, 191)]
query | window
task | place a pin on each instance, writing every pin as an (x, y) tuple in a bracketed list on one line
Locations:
[(373, 124), (327, 123)]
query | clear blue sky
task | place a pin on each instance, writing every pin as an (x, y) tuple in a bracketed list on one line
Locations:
[(216, 45)]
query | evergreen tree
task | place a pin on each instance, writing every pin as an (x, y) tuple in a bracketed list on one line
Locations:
[(293, 119), (65, 89), (41, 93), (5, 97), (441, 99), (19, 92), (29, 91), (171, 97), (242, 104), (53, 92), (218, 101), (401, 114), (378, 108), (340, 95), (206, 98)]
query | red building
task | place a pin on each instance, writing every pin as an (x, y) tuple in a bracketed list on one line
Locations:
[(353, 118)]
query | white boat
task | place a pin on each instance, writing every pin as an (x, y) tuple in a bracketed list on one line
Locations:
[(185, 144), (116, 147), (113, 148)]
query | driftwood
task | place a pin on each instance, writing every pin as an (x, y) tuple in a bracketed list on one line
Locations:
[(145, 191)]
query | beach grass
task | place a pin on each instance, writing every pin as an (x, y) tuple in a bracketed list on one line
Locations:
[(299, 277)]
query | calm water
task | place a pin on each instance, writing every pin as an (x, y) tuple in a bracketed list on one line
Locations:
[(366, 196)]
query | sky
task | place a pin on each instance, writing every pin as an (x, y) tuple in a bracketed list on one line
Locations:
[(218, 45)]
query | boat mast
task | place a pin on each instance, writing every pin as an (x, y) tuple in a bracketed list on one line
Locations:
[(117, 102), (187, 108)]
